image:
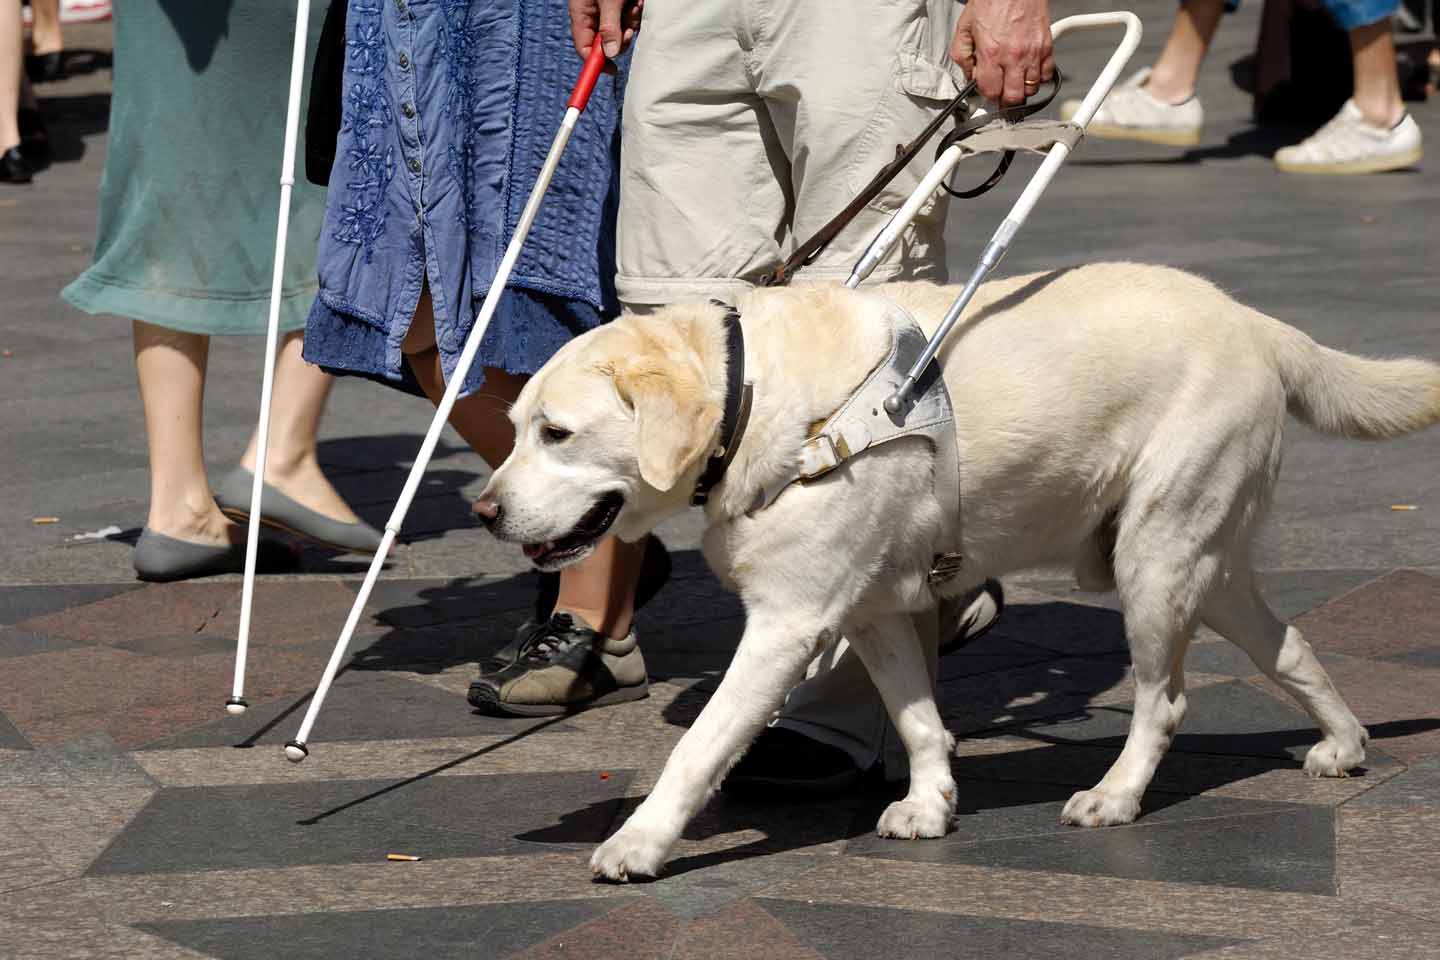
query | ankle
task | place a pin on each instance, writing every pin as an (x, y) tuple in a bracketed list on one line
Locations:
[(1169, 88), (1381, 112), (188, 521), (283, 464), (614, 624)]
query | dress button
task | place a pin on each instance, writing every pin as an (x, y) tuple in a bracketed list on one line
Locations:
[(407, 109), (404, 60), (414, 165)]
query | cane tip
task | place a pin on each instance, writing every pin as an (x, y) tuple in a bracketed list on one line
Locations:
[(236, 706), (295, 751)]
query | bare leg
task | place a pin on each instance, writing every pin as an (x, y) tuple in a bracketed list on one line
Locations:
[(1175, 73), (171, 367), (11, 69), (291, 463), (45, 36), (599, 590), (1377, 84)]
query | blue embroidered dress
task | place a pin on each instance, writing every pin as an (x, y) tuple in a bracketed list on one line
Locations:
[(450, 107)]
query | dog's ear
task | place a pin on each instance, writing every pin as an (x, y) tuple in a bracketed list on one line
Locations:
[(675, 420)]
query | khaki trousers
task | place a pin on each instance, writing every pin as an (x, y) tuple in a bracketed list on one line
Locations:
[(748, 124)]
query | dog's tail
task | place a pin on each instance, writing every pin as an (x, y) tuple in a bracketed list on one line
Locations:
[(1357, 397)]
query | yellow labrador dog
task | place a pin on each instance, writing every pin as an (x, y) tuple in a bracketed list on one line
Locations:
[(1122, 418)]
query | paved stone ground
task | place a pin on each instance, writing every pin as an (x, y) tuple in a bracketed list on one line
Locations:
[(137, 821)]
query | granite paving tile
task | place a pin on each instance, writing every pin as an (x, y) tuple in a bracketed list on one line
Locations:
[(1428, 657), (435, 932), (87, 938), (1065, 627), (700, 887), (1398, 703), (1256, 778), (20, 603), (274, 825), (1227, 912), (10, 736), (1398, 612), (1352, 934), (1225, 718), (15, 642), (642, 930), (92, 760), (1391, 858), (840, 932), (286, 611), (741, 932), (1219, 841), (1050, 690), (184, 607), (1418, 785), (328, 888), (361, 705), (426, 603), (66, 826)]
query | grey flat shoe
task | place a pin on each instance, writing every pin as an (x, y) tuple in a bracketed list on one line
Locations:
[(160, 559), (282, 513)]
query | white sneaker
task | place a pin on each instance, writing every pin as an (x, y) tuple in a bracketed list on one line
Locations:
[(84, 11), (1131, 113), (1348, 144)]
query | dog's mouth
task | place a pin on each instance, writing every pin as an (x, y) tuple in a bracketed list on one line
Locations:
[(592, 526)]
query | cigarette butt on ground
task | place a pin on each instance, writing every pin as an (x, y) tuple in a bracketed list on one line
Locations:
[(46, 520), (1403, 507), (604, 776), (401, 856)]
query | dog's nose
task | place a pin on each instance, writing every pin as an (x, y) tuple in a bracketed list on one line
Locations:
[(487, 511)]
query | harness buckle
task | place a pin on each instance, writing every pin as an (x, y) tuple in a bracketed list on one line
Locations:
[(819, 455)]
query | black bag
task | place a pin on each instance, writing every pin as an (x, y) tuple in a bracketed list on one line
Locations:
[(322, 120)]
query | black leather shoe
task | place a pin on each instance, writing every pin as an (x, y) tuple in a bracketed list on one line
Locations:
[(45, 67), (14, 168), (34, 137), (784, 765)]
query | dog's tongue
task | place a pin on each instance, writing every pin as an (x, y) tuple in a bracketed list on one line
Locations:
[(533, 550)]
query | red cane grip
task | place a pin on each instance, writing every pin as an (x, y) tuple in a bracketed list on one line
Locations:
[(588, 75)]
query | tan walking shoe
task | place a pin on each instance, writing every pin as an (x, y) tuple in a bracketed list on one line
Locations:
[(563, 666)]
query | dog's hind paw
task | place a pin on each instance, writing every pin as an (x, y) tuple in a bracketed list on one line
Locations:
[(1097, 808), (1330, 758), (912, 820), (630, 853)]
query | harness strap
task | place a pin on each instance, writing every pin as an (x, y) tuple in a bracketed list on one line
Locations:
[(862, 423)]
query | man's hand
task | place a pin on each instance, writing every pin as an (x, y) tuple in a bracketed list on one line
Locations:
[(1005, 47), (613, 21)]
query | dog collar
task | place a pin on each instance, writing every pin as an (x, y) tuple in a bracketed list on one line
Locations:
[(738, 394)]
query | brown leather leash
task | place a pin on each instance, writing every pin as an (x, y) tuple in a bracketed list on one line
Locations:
[(810, 249)]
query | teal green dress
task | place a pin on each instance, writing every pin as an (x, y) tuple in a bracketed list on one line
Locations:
[(191, 189)]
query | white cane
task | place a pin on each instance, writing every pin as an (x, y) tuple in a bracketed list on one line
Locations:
[(237, 703), (296, 750)]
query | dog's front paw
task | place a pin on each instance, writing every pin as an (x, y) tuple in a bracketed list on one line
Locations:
[(911, 820), (1097, 808), (632, 852), (1331, 758)]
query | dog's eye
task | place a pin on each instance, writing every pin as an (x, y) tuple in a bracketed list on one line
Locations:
[(554, 434)]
